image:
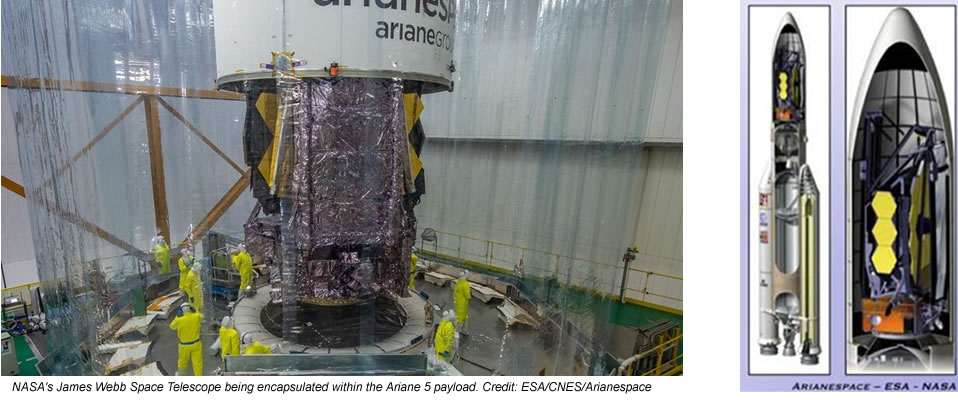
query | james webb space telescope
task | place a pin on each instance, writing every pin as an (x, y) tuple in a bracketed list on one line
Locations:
[(901, 209), (332, 137)]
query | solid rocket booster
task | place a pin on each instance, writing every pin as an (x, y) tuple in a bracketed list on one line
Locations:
[(768, 325), (809, 245), (788, 214)]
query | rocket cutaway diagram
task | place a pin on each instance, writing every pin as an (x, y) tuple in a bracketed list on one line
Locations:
[(901, 210), (789, 214)]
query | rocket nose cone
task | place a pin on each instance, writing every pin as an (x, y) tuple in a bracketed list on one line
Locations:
[(789, 36), (788, 21), (900, 43), (900, 18), (808, 184)]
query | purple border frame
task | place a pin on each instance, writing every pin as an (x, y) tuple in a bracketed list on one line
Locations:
[(836, 334)]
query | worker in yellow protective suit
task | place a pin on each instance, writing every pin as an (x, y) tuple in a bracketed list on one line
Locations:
[(461, 294), (194, 287), (412, 271), (187, 325), (244, 265), (445, 337), (257, 347), (185, 262), (229, 338), (161, 254)]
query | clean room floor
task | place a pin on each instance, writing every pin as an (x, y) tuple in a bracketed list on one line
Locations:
[(489, 349)]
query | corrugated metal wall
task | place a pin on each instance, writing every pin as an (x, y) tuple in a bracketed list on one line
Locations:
[(553, 154), (556, 70), (553, 199), (659, 232), (665, 120)]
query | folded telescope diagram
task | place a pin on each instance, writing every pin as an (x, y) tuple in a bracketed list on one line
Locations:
[(901, 210), (788, 214)]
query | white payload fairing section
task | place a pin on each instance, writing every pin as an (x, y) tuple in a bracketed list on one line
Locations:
[(788, 214)]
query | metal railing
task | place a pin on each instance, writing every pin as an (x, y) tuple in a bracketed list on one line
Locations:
[(668, 360), (504, 257)]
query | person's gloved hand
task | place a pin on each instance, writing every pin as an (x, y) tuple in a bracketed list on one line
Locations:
[(179, 312), (445, 354)]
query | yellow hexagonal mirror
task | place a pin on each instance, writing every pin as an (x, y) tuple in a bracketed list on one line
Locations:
[(884, 205), (884, 260), (885, 232)]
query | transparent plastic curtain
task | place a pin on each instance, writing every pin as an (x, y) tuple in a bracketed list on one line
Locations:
[(533, 164), (76, 71)]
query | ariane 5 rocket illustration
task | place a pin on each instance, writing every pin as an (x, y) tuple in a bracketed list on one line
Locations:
[(788, 213)]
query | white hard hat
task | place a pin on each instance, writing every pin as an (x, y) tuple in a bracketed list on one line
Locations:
[(448, 315), (275, 348), (241, 247), (186, 306), (247, 338), (227, 321)]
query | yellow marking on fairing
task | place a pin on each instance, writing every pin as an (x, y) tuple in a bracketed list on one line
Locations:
[(918, 189), (412, 103), (782, 85), (416, 164), (269, 110), (883, 258)]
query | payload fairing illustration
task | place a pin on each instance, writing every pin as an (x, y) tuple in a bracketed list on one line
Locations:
[(788, 214), (901, 216)]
